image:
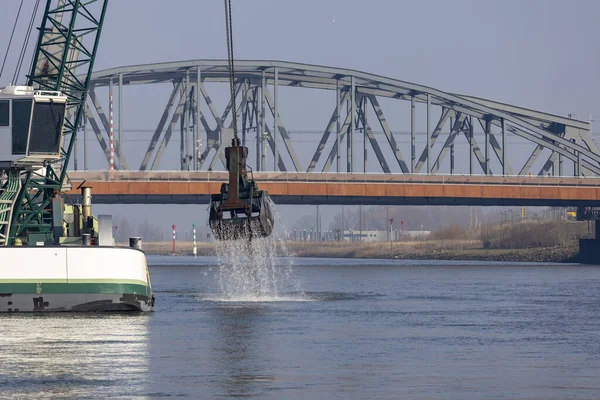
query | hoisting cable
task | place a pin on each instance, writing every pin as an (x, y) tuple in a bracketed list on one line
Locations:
[(229, 30), (11, 38), (32, 58), (26, 42)]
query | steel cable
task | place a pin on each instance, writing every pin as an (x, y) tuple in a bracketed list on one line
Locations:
[(11, 38), (26, 42), (229, 30)]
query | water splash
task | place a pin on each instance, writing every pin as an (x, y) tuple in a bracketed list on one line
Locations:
[(251, 271), (260, 299)]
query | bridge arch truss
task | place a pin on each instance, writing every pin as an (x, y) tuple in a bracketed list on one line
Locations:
[(482, 126)]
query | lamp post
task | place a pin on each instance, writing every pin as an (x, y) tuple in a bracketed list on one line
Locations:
[(318, 224), (342, 225), (387, 218), (360, 221)]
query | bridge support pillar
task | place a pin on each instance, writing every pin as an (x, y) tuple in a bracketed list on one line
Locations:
[(589, 249), (488, 131), (504, 148), (120, 121), (412, 134), (428, 135), (471, 149), (560, 164), (338, 131), (197, 113), (364, 124), (276, 122), (350, 140), (263, 145)]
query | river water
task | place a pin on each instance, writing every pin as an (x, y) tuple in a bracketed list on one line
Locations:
[(350, 329)]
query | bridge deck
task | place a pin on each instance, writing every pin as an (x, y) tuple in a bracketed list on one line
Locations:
[(133, 187)]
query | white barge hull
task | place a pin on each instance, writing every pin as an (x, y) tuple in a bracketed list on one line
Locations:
[(45, 279)]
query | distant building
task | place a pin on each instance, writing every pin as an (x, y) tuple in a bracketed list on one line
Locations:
[(364, 236), (375, 236), (311, 235)]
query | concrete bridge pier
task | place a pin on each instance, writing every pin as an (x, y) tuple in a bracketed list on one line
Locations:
[(589, 249)]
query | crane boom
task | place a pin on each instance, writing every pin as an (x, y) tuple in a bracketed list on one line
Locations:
[(66, 50), (30, 197)]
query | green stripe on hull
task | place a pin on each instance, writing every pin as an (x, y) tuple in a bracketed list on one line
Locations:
[(86, 280), (74, 288)]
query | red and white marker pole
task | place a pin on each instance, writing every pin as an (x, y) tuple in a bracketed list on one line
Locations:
[(174, 238), (391, 232), (402, 223), (111, 133), (194, 249)]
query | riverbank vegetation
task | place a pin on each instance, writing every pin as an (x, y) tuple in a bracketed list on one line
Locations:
[(526, 241)]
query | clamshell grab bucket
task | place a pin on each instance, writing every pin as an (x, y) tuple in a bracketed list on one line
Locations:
[(240, 210)]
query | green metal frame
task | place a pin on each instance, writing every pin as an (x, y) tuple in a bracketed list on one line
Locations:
[(8, 193), (72, 24)]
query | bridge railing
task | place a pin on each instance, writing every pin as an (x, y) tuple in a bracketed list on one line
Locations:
[(297, 177)]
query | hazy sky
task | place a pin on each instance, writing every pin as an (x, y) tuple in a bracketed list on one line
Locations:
[(537, 53), (542, 54)]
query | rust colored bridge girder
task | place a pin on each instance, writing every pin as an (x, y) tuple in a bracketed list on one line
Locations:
[(123, 187)]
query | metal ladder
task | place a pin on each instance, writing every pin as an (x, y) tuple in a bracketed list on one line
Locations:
[(9, 192)]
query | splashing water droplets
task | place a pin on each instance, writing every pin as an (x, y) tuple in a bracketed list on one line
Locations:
[(250, 271)]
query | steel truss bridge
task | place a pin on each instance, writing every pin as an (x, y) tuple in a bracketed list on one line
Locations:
[(479, 130)]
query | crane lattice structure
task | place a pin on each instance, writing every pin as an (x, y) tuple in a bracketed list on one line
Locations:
[(63, 61)]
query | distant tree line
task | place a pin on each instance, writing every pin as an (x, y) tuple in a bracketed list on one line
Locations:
[(417, 218), (124, 229)]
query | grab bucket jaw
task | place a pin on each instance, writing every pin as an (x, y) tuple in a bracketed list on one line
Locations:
[(233, 224), (240, 211)]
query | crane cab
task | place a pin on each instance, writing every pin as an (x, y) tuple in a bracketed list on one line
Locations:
[(31, 126)]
